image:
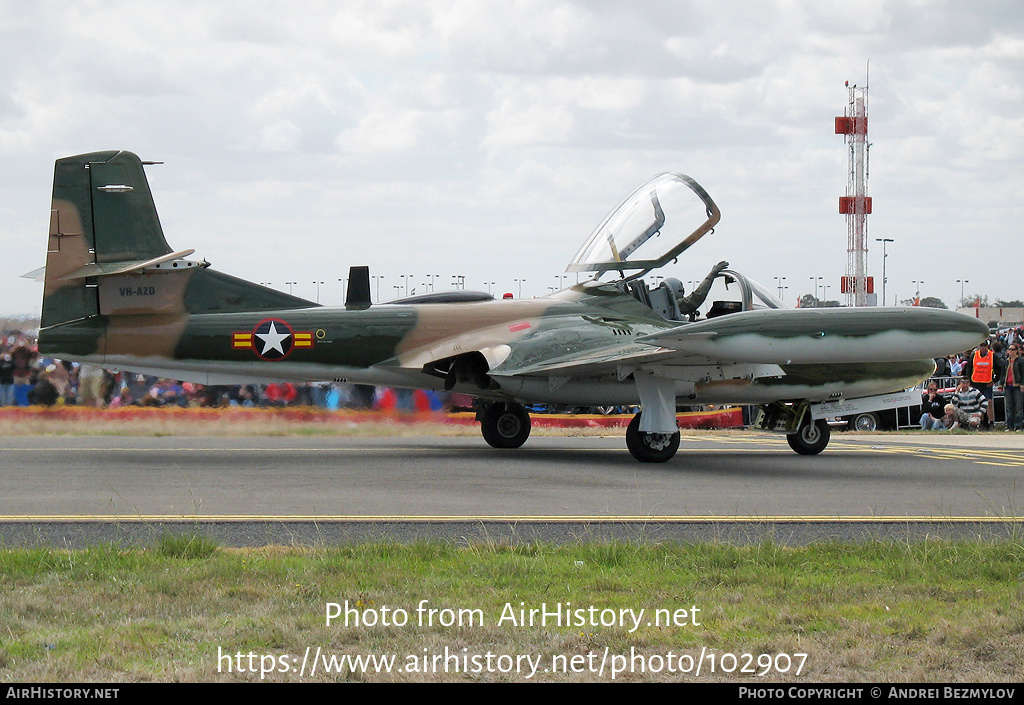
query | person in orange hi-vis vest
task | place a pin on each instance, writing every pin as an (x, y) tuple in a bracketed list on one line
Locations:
[(981, 370)]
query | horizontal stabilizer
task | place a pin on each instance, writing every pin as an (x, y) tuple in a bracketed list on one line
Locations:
[(36, 274), (107, 269)]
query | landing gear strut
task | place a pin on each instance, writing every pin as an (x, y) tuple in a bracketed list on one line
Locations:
[(650, 447), (504, 424)]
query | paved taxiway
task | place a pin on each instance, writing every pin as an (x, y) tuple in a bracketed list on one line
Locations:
[(572, 484)]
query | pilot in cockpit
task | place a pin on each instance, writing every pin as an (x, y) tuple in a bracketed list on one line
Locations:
[(689, 304)]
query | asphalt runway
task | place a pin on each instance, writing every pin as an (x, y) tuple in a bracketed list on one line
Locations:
[(733, 485)]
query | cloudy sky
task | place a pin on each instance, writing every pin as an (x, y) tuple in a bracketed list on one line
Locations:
[(487, 139)]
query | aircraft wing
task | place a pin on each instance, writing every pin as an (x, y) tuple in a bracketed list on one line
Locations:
[(592, 362), (764, 337), (827, 335)]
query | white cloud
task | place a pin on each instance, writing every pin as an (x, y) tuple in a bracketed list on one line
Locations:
[(485, 126), (382, 132), (524, 123)]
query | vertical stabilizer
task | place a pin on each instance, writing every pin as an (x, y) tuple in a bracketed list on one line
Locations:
[(102, 211), (113, 286)]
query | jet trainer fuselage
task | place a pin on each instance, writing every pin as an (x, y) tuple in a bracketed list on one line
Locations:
[(116, 295)]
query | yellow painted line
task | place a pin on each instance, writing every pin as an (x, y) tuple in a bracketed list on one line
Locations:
[(599, 519), (972, 455), (283, 448)]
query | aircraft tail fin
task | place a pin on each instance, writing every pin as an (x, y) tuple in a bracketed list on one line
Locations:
[(107, 255), (102, 217)]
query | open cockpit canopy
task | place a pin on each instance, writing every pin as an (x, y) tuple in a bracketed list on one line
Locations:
[(650, 228)]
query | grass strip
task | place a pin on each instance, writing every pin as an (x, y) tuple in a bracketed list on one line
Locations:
[(883, 611)]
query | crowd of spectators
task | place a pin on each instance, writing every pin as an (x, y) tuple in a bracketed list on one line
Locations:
[(30, 379), (995, 365)]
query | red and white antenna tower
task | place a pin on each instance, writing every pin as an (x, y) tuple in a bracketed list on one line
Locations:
[(856, 204)]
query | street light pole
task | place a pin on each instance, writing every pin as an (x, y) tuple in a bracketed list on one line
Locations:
[(961, 282), (883, 240), (779, 281), (817, 301)]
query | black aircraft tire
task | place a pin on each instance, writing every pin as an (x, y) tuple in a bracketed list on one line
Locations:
[(505, 425), (811, 439), (650, 447)]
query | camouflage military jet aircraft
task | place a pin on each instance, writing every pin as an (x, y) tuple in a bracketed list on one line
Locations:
[(117, 295)]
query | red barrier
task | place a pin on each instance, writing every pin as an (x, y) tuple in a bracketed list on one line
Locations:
[(719, 418)]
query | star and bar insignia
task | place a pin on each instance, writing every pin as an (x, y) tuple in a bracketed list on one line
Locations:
[(271, 339)]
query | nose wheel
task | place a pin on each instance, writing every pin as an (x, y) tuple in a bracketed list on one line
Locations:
[(504, 425), (650, 447)]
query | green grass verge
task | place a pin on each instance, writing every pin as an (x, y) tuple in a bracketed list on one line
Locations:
[(885, 611)]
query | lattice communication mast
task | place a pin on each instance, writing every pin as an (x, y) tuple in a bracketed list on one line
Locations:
[(856, 204)]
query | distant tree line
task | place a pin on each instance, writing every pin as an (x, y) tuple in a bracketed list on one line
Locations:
[(928, 301), (811, 301)]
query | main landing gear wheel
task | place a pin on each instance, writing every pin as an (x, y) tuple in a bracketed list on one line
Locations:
[(650, 447), (505, 425), (811, 439)]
